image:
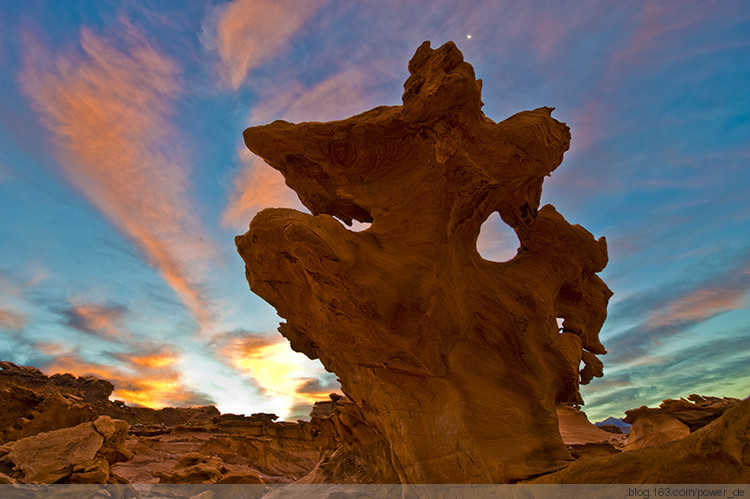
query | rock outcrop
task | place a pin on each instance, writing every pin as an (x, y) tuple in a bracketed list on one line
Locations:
[(716, 453), (454, 362), (80, 454), (200, 446), (673, 419), (582, 438), (652, 428), (35, 402), (697, 411)]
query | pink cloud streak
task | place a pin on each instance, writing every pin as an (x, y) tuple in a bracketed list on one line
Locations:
[(699, 305), (248, 32), (11, 320), (107, 110)]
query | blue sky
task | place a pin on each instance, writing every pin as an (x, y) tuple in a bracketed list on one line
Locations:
[(123, 178)]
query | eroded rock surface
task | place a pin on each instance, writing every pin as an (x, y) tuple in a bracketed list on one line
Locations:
[(697, 411), (674, 419), (652, 428), (80, 454), (583, 438), (455, 362), (337, 445), (716, 453)]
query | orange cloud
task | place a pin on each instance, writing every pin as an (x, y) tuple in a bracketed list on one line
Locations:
[(281, 373), (248, 32), (257, 186), (148, 381), (12, 320), (157, 361), (107, 110), (699, 305), (100, 320), (337, 97)]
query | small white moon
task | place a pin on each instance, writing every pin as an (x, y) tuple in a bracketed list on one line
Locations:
[(468, 36)]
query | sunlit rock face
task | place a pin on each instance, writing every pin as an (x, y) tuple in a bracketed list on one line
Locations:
[(455, 361)]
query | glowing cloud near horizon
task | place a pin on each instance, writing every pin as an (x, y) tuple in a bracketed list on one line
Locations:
[(280, 372)]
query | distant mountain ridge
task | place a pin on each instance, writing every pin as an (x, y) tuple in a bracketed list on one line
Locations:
[(625, 427)]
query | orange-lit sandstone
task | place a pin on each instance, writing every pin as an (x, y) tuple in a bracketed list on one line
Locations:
[(46, 434), (454, 362)]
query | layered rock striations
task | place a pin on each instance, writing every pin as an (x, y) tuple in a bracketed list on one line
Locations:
[(454, 362)]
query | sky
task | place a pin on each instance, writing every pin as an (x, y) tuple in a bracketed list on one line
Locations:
[(123, 178)]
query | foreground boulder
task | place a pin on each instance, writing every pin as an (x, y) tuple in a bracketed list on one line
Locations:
[(455, 362), (81, 454)]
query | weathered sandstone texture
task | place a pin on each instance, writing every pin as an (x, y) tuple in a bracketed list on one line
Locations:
[(454, 362), (200, 446), (716, 453), (81, 454), (582, 438), (673, 419)]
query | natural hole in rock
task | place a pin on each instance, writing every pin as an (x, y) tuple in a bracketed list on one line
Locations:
[(359, 226), (559, 324), (497, 241), (356, 225)]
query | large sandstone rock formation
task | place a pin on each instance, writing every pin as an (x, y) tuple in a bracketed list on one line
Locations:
[(455, 362)]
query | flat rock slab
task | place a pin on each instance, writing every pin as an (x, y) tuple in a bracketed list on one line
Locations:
[(50, 456)]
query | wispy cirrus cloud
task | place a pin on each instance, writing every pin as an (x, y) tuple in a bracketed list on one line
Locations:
[(12, 320), (246, 33), (108, 108), (345, 93), (96, 319), (719, 367), (700, 305), (256, 186), (649, 320)]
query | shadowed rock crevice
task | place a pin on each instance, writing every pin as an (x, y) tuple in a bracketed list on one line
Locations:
[(455, 362)]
